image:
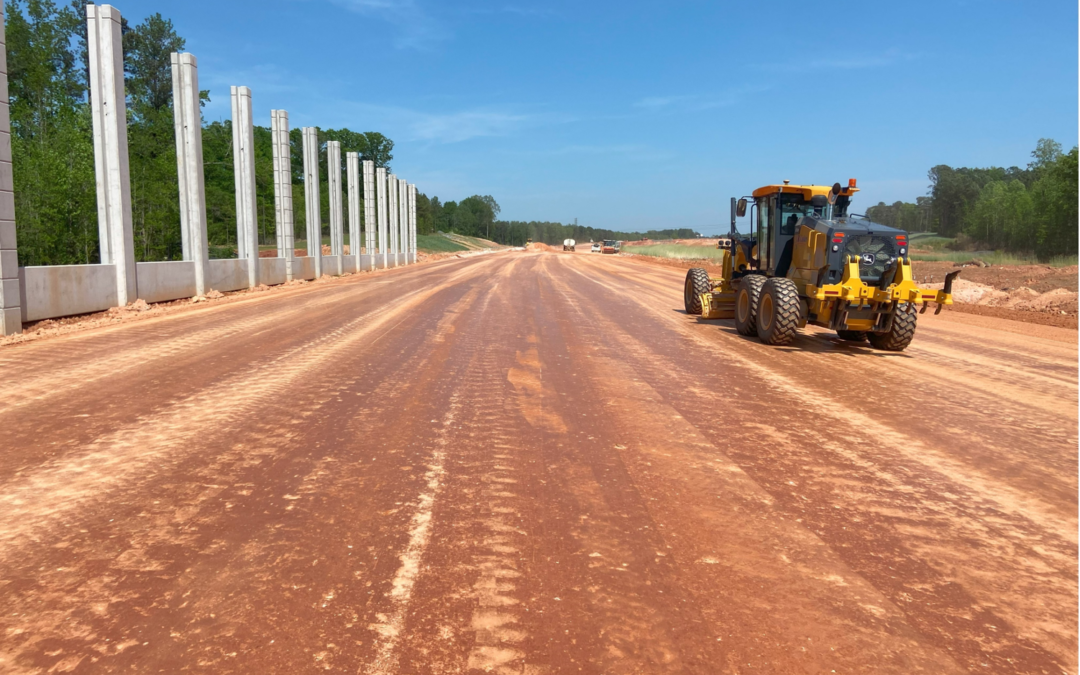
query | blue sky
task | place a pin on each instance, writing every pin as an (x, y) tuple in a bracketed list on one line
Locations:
[(638, 115)]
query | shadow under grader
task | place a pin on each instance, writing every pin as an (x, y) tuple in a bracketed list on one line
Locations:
[(815, 344)]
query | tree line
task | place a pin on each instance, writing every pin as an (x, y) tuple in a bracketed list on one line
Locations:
[(1030, 210), (53, 153), (477, 216)]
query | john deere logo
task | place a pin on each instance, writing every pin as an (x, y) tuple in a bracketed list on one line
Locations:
[(868, 259)]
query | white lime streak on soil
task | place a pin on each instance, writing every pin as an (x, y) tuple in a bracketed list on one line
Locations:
[(388, 630)]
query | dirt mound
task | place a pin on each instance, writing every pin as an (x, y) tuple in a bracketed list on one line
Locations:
[(1039, 278), (1024, 299)]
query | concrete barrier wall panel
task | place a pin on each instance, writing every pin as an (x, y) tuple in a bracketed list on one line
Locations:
[(331, 264), (164, 281), (304, 267), (272, 271), (228, 275), (64, 290)]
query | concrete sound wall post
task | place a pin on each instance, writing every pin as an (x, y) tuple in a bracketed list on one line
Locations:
[(369, 210), (333, 172), (380, 186), (352, 177), (247, 229), (189, 153), (109, 121), (313, 209), (283, 202), (10, 295)]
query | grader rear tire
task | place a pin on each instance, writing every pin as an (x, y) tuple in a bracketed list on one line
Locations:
[(778, 311), (697, 283), (901, 333), (746, 304)]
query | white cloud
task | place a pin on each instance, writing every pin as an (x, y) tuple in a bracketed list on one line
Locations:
[(417, 28), (406, 124), (461, 126), (696, 102), (844, 62)]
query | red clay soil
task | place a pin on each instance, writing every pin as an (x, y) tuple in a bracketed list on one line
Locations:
[(1039, 278), (533, 463), (1042, 318)]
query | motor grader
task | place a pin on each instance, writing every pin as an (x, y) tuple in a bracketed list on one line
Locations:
[(809, 261)]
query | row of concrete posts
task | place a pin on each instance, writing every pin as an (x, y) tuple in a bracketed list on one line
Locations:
[(384, 235)]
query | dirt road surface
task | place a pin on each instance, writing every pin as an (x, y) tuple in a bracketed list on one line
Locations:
[(535, 463)]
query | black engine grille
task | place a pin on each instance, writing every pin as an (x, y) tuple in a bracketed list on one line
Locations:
[(875, 255)]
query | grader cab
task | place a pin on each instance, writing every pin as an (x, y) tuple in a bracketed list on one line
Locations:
[(809, 261)]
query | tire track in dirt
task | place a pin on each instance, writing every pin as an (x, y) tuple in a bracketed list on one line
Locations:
[(237, 476), (115, 353), (779, 370), (1020, 577), (118, 456)]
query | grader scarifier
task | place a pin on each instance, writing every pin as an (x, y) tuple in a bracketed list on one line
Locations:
[(808, 261)]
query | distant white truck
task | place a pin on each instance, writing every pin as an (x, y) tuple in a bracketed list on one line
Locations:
[(569, 245)]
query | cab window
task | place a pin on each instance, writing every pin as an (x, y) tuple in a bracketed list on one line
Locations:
[(792, 208), (764, 210)]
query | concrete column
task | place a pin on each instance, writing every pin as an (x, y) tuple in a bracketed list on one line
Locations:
[(181, 177), (412, 222), (247, 228), (392, 215), (352, 177), (333, 170), (10, 298), (283, 204), (190, 162), (311, 196), (403, 220), (380, 184), (369, 210), (109, 113)]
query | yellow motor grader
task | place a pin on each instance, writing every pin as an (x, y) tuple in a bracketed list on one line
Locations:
[(808, 261)]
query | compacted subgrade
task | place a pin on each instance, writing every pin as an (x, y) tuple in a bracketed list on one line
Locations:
[(980, 561), (532, 463), (245, 525), (542, 557)]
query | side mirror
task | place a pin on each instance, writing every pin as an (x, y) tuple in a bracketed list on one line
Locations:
[(740, 207)]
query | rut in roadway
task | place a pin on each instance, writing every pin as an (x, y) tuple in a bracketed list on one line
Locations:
[(532, 463)]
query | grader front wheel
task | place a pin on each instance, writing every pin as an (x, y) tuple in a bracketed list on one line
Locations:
[(900, 334), (697, 283)]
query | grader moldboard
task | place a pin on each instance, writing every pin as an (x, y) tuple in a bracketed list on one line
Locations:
[(808, 261)]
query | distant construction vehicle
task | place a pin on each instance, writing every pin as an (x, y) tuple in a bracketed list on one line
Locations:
[(569, 245), (808, 261), (610, 246), (597, 247)]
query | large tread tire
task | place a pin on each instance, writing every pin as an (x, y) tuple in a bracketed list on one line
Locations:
[(746, 304), (697, 283), (778, 311), (901, 333), (852, 335)]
